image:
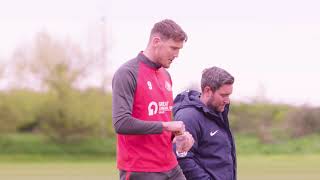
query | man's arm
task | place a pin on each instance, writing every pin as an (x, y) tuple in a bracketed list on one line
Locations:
[(191, 169), (190, 166)]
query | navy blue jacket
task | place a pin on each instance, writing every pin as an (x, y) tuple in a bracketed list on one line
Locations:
[(213, 154)]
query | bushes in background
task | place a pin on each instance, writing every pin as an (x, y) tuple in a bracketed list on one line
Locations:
[(73, 115), (272, 123)]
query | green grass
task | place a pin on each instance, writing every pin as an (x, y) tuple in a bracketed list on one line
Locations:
[(305, 145), (279, 167), (256, 167), (33, 157), (61, 171), (37, 147)]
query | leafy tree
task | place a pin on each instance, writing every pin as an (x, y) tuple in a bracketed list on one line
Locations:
[(60, 67)]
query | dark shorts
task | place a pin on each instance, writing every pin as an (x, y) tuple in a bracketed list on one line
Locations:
[(174, 174)]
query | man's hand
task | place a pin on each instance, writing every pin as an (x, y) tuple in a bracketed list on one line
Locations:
[(187, 143), (177, 127)]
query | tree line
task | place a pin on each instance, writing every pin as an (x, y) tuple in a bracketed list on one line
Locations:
[(58, 107)]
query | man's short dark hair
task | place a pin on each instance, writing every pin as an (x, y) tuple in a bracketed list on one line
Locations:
[(168, 29), (215, 77)]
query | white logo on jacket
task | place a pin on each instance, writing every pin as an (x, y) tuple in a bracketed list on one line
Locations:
[(213, 133), (160, 107), (152, 108)]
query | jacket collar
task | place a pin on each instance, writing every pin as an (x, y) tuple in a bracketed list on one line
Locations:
[(147, 61)]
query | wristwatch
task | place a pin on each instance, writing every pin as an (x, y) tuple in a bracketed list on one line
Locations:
[(181, 154)]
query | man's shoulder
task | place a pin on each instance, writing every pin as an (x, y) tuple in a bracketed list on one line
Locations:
[(129, 67), (190, 114), (126, 74)]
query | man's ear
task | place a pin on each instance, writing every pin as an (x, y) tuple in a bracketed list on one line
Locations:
[(207, 91), (155, 41)]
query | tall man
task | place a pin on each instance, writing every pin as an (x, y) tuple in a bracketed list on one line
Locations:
[(142, 103)]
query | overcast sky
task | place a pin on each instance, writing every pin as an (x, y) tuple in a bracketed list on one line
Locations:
[(271, 47)]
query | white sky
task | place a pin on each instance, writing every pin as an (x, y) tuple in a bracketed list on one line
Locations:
[(271, 47)]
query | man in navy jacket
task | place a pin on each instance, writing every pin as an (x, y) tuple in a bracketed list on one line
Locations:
[(205, 116)]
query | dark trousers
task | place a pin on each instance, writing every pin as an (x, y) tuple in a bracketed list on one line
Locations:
[(174, 174)]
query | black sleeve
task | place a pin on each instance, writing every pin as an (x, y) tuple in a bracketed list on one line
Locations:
[(123, 89), (189, 165)]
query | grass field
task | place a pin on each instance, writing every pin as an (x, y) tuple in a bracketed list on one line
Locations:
[(279, 167), (275, 167)]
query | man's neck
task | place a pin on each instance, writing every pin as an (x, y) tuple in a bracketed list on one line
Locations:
[(149, 54)]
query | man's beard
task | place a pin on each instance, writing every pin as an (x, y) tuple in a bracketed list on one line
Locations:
[(210, 104)]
